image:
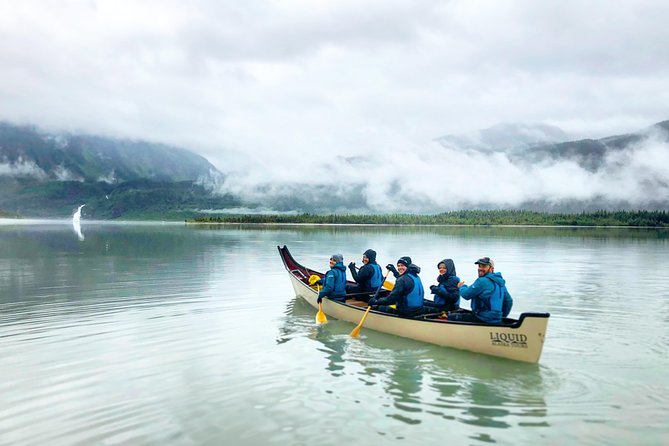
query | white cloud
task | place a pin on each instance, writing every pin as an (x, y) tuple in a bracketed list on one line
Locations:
[(21, 168), (432, 179), (284, 82)]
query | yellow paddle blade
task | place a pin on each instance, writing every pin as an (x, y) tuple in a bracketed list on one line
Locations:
[(320, 316), (356, 330), (313, 279), (388, 285)]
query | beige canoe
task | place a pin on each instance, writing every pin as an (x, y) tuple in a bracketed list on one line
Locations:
[(520, 340)]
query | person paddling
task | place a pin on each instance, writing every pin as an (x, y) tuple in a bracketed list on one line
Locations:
[(408, 293), (334, 281), (390, 267)]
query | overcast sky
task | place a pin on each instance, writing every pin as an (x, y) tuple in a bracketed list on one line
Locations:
[(277, 80)]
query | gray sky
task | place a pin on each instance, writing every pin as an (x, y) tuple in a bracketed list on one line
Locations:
[(279, 80)]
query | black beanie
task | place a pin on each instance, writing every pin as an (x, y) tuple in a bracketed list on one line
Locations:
[(406, 260)]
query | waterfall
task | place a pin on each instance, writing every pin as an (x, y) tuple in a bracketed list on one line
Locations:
[(76, 222)]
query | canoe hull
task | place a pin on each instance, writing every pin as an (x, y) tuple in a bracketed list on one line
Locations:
[(522, 340)]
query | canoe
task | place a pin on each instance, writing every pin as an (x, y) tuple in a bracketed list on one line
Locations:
[(519, 339)]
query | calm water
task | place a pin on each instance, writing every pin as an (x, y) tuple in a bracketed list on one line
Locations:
[(167, 334)]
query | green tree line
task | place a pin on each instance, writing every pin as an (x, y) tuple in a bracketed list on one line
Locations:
[(465, 217)]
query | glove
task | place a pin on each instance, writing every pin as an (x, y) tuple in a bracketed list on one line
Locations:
[(433, 289), (319, 300), (318, 282), (390, 267), (351, 265), (373, 302)]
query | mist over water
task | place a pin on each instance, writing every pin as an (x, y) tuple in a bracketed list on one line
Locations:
[(435, 178)]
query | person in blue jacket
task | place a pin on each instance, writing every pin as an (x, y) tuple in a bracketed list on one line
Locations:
[(334, 281), (491, 300), (446, 292), (369, 278), (407, 295)]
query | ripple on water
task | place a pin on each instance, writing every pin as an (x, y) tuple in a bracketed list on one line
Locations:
[(123, 354)]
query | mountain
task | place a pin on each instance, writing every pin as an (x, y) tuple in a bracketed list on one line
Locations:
[(591, 154), (28, 152), (504, 137), (49, 174)]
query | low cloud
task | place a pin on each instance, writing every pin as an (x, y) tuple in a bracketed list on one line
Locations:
[(22, 169), (433, 178)]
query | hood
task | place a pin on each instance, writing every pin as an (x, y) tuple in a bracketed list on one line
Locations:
[(413, 269), (340, 266), (450, 267), (371, 255), (497, 278)]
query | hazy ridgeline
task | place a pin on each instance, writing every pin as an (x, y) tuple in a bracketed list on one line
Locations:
[(48, 175)]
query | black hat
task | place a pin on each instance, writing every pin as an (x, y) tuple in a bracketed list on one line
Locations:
[(485, 261), (406, 260)]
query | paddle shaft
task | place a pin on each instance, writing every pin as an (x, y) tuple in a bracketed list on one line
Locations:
[(356, 330), (382, 283), (389, 284), (381, 286)]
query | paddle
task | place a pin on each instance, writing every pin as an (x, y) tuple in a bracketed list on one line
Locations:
[(356, 330), (320, 316), (313, 279), (386, 284)]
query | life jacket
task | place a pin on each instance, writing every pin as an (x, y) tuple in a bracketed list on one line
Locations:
[(415, 297), (377, 277), (339, 282), (489, 308)]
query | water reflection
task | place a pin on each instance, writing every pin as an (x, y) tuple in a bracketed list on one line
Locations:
[(423, 381), (114, 262), (76, 225), (524, 232), (405, 381)]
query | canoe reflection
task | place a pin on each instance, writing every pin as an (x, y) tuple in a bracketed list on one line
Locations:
[(423, 380)]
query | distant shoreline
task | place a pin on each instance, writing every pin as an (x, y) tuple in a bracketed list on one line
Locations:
[(372, 225), (473, 218), (623, 219)]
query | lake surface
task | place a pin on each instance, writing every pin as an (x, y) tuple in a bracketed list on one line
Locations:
[(152, 334)]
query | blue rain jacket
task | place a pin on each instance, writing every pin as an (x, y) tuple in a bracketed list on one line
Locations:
[(491, 300), (334, 283)]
